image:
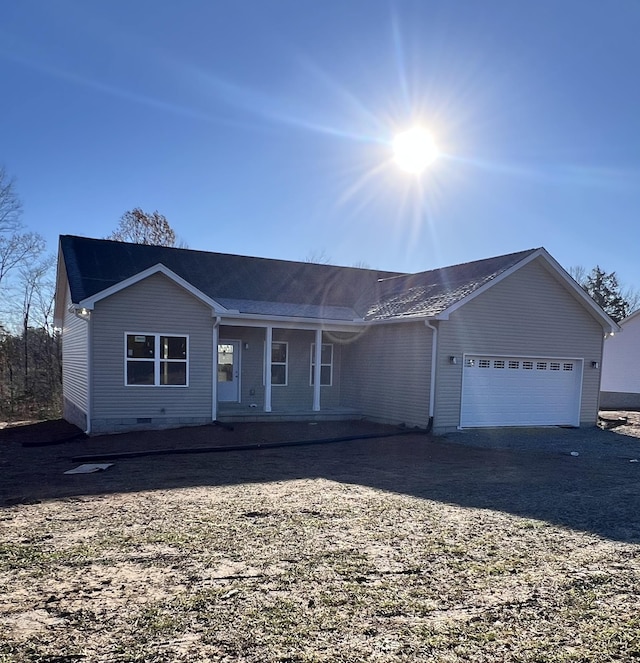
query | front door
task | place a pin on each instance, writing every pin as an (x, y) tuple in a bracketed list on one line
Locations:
[(228, 371)]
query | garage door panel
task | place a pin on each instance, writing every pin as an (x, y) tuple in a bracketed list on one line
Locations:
[(516, 391)]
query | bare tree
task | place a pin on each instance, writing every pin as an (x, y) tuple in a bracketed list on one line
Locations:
[(632, 297), (36, 294), (141, 227), (30, 358), (578, 273), (318, 256), (17, 249), (29, 346), (10, 205)]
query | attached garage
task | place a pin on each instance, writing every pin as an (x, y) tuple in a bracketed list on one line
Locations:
[(520, 391), (523, 349)]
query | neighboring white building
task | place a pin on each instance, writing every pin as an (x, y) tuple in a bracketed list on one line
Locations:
[(620, 387)]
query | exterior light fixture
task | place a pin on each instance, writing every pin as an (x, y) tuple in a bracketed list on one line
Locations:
[(80, 312), (453, 360)]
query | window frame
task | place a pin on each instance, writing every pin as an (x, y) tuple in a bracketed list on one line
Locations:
[(284, 363), (157, 360), (311, 364)]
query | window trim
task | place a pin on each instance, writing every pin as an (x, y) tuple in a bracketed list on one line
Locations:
[(157, 360), (311, 365), (284, 363)]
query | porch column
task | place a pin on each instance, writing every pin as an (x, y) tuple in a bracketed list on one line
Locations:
[(267, 367), (214, 383), (317, 377), (214, 370)]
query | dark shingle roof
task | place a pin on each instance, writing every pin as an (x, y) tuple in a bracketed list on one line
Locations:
[(280, 287), (234, 281)]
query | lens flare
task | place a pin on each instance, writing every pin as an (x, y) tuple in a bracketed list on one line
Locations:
[(414, 150)]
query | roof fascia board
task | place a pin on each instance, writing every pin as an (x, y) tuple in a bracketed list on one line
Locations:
[(159, 268), (255, 320), (602, 317), (607, 322), (629, 318), (400, 320), (248, 320)]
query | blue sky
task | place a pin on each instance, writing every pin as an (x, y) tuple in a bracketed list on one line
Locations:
[(263, 127)]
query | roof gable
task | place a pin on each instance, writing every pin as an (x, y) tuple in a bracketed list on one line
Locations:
[(89, 302)]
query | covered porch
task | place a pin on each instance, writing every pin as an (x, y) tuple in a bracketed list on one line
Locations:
[(268, 372)]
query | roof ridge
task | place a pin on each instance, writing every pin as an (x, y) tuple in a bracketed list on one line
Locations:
[(523, 253), (236, 255)]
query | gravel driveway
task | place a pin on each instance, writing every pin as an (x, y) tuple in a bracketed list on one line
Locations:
[(621, 443)]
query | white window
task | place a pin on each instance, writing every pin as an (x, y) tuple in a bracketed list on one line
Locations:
[(153, 360), (326, 364), (279, 363)]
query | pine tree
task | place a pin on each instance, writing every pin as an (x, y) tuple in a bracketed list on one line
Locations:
[(604, 289)]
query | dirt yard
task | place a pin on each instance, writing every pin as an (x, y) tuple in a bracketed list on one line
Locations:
[(517, 546)]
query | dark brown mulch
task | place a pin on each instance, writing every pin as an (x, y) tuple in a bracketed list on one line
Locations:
[(41, 433), (33, 457), (585, 478)]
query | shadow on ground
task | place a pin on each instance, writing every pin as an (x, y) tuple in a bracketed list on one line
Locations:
[(533, 475)]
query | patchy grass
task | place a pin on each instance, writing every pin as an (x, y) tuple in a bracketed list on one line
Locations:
[(307, 571)]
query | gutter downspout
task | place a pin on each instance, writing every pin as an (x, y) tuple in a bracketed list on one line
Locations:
[(434, 357), (89, 372), (605, 336)]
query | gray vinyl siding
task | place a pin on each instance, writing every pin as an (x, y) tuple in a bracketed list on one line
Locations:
[(386, 373), (154, 305), (75, 335), (530, 313), (298, 394)]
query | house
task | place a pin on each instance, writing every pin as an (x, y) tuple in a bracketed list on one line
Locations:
[(621, 367), (156, 337)]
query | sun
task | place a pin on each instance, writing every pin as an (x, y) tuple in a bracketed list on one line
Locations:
[(414, 150)]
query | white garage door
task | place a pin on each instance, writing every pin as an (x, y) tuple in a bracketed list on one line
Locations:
[(517, 391)]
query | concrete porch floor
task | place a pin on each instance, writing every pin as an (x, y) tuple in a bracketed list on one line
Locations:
[(238, 412)]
